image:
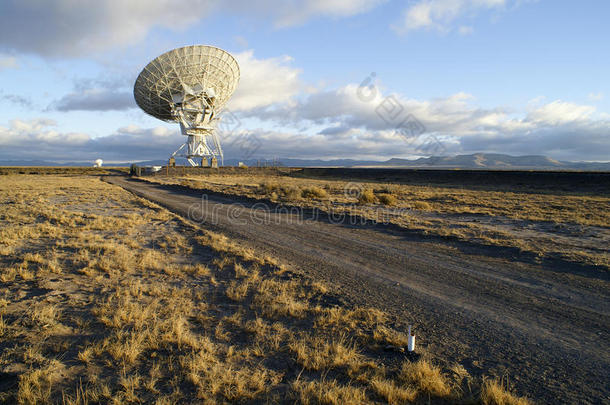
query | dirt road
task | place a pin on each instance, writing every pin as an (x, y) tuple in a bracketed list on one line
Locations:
[(545, 326)]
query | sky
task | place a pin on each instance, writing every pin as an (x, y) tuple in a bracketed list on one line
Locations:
[(320, 79)]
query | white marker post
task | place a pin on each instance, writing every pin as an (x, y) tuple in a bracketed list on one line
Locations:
[(411, 346)]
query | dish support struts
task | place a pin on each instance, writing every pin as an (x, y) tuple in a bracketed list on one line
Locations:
[(194, 110)]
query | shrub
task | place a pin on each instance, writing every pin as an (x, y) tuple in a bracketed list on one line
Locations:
[(421, 205), (291, 192), (314, 192), (266, 188), (366, 197), (387, 199)]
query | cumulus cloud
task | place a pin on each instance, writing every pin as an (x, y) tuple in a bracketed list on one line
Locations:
[(21, 135), (585, 141), (349, 125), (350, 143), (349, 107), (382, 123), (441, 14), (136, 143), (105, 92), (264, 82), (560, 112), (95, 100), (84, 27), (126, 144), (72, 28)]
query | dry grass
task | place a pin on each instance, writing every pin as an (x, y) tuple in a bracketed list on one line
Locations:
[(107, 298), (387, 199), (327, 392), (495, 393), (392, 392), (422, 205), (366, 197), (35, 386), (427, 377), (314, 192), (390, 336), (544, 223), (317, 353)]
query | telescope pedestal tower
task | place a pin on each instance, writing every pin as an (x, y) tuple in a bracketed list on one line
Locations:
[(194, 111)]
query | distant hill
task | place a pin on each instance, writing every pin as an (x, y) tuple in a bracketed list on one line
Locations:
[(489, 161), (497, 161)]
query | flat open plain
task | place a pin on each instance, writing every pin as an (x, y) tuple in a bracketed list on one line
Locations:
[(252, 290), (543, 323)]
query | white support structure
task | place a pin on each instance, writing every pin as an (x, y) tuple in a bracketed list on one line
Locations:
[(194, 110)]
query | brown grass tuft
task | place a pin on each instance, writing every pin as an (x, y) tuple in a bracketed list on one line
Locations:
[(316, 353), (422, 205), (426, 377), (327, 392), (387, 199), (494, 393), (314, 192), (367, 197), (393, 393)]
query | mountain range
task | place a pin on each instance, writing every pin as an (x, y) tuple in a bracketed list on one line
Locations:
[(489, 161)]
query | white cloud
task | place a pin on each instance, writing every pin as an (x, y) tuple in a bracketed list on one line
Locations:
[(126, 144), (349, 123), (108, 91), (559, 112), (71, 28), (596, 96), (345, 107), (264, 82), (348, 126), (85, 27), (441, 14), (38, 132)]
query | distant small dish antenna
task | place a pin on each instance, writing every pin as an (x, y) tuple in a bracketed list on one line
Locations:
[(190, 86), (98, 163)]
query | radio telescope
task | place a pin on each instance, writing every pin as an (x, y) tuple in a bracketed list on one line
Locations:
[(98, 163), (190, 86)]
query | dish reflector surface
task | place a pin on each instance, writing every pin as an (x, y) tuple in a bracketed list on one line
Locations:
[(185, 71)]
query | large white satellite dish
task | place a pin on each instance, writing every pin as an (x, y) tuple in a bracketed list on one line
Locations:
[(190, 85)]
